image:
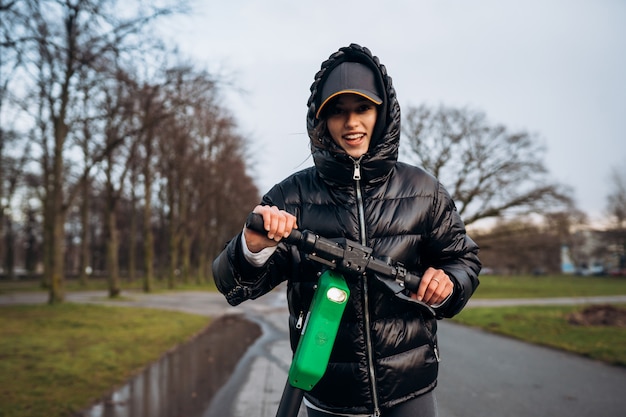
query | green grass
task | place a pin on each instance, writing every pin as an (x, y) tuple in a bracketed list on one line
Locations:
[(100, 284), (55, 360), (548, 326), (543, 286)]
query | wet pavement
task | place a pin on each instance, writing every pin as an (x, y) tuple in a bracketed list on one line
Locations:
[(481, 374), (184, 381)]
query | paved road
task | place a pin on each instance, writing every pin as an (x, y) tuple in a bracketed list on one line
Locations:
[(485, 375), (481, 374)]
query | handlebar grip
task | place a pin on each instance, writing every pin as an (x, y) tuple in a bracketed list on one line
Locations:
[(412, 282), (255, 222)]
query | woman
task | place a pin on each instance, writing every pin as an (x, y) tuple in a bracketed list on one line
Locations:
[(385, 358)]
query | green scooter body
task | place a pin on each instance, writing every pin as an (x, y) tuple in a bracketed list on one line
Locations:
[(319, 332)]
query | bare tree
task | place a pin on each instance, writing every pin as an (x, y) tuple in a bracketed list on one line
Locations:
[(151, 112), (165, 130), (202, 171), (11, 138), (119, 129), (519, 246), (68, 36), (11, 175), (230, 191), (87, 136), (133, 182), (526, 245), (489, 170), (190, 95)]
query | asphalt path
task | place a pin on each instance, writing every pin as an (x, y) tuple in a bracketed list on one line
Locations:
[(485, 375), (481, 374)]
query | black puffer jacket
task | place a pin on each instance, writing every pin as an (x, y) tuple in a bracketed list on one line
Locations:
[(386, 349)]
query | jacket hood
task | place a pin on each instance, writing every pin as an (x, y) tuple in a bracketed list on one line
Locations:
[(333, 164)]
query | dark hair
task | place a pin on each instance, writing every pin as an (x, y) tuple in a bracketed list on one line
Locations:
[(321, 139)]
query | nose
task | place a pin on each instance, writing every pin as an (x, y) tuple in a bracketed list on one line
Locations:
[(351, 118)]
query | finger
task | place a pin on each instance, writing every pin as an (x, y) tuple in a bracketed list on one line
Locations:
[(434, 287), (264, 211), (281, 226), (290, 224), (434, 292), (287, 222), (431, 291), (274, 221), (442, 292), (424, 284), (277, 222)]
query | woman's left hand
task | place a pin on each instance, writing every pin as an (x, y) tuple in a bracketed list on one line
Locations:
[(434, 288)]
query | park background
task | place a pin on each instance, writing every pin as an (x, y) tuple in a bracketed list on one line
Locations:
[(136, 136)]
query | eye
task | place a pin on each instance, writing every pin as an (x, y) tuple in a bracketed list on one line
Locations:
[(364, 108), (335, 110)]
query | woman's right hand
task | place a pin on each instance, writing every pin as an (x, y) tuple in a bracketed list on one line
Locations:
[(278, 224)]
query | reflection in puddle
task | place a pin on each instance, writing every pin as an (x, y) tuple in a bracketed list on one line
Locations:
[(183, 381)]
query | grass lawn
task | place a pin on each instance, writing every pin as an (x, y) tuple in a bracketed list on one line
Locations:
[(543, 286), (100, 284), (55, 360), (549, 326)]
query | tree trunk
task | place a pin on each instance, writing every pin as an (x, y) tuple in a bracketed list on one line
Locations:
[(57, 213), (173, 241), (112, 249), (186, 257), (2, 168), (84, 234), (57, 281), (132, 241), (10, 253), (47, 251), (148, 278), (202, 261), (147, 222)]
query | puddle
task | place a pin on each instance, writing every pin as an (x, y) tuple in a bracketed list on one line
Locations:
[(184, 381)]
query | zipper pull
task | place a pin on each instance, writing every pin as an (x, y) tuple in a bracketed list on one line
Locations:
[(300, 320), (437, 354), (357, 170)]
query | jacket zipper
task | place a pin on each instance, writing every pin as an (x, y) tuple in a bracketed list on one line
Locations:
[(366, 315), (300, 320)]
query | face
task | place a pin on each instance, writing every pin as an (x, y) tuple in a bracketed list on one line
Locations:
[(350, 122)]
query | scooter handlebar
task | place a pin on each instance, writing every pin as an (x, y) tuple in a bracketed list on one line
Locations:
[(255, 222), (309, 243)]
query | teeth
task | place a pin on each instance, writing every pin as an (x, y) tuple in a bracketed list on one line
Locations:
[(354, 136)]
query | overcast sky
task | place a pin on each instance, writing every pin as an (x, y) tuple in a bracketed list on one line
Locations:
[(556, 68)]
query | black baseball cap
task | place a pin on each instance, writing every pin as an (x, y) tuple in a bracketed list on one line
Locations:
[(349, 77)]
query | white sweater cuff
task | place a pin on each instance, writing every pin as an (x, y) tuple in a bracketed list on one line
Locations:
[(259, 258)]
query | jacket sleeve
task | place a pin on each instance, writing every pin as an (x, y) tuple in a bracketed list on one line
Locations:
[(239, 280), (450, 248)]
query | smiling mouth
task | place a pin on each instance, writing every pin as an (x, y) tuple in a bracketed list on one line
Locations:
[(354, 136)]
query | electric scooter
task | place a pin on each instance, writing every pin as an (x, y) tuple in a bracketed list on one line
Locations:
[(329, 301)]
